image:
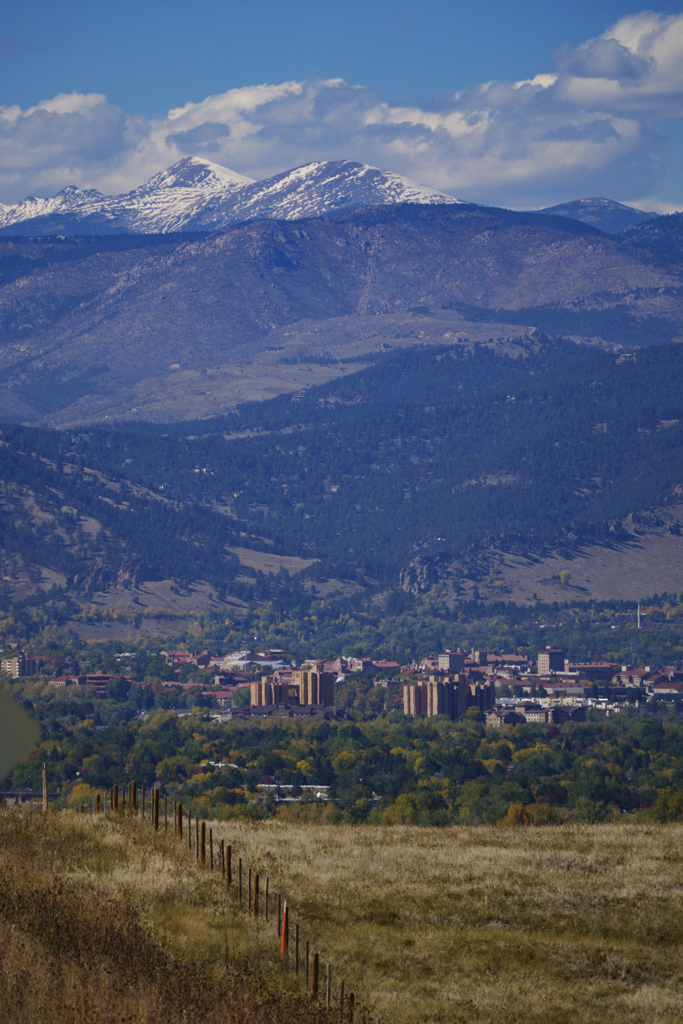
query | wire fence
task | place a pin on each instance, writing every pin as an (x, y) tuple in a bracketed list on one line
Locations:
[(300, 952)]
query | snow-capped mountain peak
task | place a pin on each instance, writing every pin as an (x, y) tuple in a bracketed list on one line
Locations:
[(198, 195), (326, 187), (193, 172)]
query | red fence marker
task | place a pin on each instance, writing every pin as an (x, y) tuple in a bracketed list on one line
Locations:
[(285, 932)]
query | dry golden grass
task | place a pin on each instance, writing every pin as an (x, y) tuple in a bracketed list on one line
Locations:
[(575, 923), (104, 921)]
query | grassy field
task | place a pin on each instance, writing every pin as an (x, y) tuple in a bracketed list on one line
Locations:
[(573, 923), (103, 920)]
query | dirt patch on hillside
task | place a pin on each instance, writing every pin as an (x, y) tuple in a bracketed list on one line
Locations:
[(650, 562), (267, 562)]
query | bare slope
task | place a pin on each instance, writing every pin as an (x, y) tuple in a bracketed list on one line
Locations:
[(93, 327), (644, 557)]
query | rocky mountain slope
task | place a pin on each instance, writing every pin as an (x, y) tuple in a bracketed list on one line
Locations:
[(198, 195), (100, 327)]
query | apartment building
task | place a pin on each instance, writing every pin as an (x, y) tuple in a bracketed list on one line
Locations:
[(20, 666), (315, 687), (447, 697), (306, 687), (268, 691)]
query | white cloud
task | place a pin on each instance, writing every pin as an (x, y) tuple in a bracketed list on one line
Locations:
[(592, 126), (656, 206)]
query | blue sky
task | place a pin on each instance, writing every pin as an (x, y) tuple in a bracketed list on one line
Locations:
[(426, 90), (148, 56)]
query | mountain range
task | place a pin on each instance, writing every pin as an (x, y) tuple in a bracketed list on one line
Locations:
[(176, 326), (492, 384), (198, 195)]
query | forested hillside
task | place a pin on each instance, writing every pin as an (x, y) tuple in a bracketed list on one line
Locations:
[(441, 450)]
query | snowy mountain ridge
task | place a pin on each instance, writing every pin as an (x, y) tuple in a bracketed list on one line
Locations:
[(198, 195)]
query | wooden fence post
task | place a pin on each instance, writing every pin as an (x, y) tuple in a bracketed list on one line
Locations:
[(179, 824), (211, 847), (196, 838), (45, 800), (284, 945), (341, 1001), (155, 809), (97, 803), (351, 1002), (228, 866), (249, 891), (307, 952), (255, 896), (189, 830), (134, 798), (314, 984)]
